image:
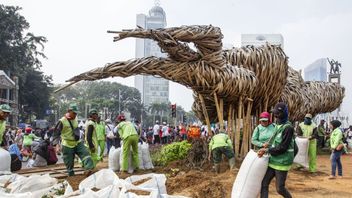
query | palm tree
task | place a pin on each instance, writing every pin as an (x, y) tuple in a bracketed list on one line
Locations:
[(153, 109)]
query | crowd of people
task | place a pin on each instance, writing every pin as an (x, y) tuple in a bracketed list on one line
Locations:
[(278, 140), (26, 143), (91, 139)]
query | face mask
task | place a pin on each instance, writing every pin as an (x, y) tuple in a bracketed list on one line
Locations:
[(307, 121)]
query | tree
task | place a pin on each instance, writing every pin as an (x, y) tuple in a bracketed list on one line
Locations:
[(20, 56), (104, 94), (37, 92), (154, 109)]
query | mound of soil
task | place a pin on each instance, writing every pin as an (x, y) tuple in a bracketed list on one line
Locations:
[(204, 182)]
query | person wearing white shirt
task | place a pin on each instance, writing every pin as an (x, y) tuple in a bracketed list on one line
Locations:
[(156, 130), (165, 130), (109, 133)]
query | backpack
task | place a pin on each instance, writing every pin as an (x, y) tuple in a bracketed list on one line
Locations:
[(52, 158)]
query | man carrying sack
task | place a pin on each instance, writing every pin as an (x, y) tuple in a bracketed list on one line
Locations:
[(308, 130), (67, 127), (281, 150)]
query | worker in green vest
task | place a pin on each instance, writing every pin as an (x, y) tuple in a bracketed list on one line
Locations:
[(91, 136), (282, 151), (321, 134), (129, 136), (218, 145), (71, 144), (5, 111), (308, 130), (100, 128)]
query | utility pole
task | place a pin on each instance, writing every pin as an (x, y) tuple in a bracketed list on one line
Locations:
[(119, 102)]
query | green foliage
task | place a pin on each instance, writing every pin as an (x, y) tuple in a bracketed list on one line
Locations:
[(172, 152), (100, 94), (20, 56)]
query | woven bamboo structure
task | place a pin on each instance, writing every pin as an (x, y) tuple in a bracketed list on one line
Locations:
[(233, 85), (310, 97)]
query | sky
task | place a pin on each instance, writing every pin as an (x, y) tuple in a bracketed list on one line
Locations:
[(78, 42)]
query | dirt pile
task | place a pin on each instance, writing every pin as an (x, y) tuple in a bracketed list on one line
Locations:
[(206, 183)]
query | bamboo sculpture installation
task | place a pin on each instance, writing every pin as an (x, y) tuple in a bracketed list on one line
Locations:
[(235, 84)]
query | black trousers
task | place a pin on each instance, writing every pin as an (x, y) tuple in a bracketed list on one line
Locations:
[(321, 141), (280, 177), (156, 139)]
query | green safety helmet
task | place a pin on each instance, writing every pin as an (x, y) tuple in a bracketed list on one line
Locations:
[(5, 108)]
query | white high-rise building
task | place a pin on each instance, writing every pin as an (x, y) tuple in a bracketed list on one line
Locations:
[(317, 71), (261, 39), (152, 89)]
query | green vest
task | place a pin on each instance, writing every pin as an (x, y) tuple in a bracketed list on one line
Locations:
[(220, 140), (94, 135), (2, 129), (284, 161), (321, 130), (67, 136), (100, 128), (307, 129), (28, 139), (126, 129), (335, 138)]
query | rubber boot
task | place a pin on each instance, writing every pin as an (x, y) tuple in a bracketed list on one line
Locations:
[(232, 163), (217, 168)]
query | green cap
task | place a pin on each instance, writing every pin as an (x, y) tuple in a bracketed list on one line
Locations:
[(93, 111), (73, 107), (5, 108)]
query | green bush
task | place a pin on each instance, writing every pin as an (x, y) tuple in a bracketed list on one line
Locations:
[(171, 152)]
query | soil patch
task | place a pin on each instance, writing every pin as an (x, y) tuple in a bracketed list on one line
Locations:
[(136, 183), (139, 192), (204, 182)]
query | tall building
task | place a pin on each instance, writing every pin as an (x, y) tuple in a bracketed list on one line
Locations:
[(261, 39), (317, 71), (152, 89)]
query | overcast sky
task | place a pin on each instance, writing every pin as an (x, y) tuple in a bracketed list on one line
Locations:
[(78, 42)]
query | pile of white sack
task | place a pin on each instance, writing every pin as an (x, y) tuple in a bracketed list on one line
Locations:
[(145, 161), (102, 184)]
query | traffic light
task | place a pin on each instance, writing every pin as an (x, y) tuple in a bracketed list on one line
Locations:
[(173, 110)]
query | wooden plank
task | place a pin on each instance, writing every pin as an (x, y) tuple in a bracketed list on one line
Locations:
[(40, 169), (64, 175), (51, 171)]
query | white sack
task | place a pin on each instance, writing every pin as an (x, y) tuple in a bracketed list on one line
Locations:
[(5, 159), (147, 160), (156, 181), (114, 158), (302, 155), (140, 157), (100, 180), (32, 183), (249, 178)]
